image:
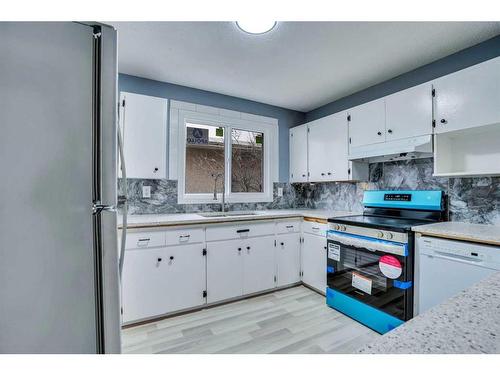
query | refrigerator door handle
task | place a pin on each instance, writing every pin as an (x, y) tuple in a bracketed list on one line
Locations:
[(97, 208)]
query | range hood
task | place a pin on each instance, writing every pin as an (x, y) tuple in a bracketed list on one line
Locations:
[(401, 149)]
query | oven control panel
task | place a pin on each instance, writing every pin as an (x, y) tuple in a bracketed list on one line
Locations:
[(370, 232)]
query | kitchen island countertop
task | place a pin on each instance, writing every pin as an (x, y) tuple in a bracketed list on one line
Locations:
[(464, 324)]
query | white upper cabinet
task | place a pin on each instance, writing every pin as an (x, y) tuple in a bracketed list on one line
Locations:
[(409, 113), (143, 121), (468, 98), (328, 149), (367, 123), (298, 154)]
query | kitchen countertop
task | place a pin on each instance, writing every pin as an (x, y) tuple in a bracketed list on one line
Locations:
[(488, 234), (158, 220), (466, 323)]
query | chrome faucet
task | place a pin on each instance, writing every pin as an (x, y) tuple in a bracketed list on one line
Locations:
[(216, 177)]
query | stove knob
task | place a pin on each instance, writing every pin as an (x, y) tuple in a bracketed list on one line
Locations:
[(389, 235), (336, 227), (380, 234), (343, 228)]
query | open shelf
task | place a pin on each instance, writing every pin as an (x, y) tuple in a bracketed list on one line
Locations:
[(468, 152)]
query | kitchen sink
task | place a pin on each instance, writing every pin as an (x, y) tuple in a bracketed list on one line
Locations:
[(227, 214)]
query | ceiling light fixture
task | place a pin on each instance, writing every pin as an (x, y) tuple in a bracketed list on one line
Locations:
[(256, 26)]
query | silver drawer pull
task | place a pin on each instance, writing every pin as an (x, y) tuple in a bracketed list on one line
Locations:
[(289, 226), (184, 237), (315, 228)]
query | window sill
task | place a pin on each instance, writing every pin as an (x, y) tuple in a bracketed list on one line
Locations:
[(234, 198)]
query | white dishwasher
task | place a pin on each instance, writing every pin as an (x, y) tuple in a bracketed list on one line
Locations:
[(444, 268)]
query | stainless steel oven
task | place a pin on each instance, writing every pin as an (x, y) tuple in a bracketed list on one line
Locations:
[(370, 256), (374, 271)]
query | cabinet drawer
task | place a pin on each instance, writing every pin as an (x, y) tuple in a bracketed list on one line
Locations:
[(314, 228), (288, 226), (139, 240), (231, 231), (184, 236)]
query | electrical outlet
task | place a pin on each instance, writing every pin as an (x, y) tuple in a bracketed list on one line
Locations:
[(146, 191), (280, 192)]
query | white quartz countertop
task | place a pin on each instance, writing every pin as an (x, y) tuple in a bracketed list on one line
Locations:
[(488, 234), (144, 221), (464, 324)]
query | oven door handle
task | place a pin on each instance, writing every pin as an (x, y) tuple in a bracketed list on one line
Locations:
[(369, 244)]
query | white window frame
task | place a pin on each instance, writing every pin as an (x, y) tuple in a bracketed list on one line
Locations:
[(182, 113)]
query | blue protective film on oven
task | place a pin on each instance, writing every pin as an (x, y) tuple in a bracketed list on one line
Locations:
[(371, 317), (403, 245), (402, 284)]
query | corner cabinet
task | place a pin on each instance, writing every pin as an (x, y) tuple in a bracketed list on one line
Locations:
[(157, 280), (298, 154), (468, 98), (143, 122), (467, 122)]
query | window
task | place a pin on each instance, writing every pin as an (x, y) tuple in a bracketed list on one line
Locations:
[(213, 151), (247, 158), (205, 150)]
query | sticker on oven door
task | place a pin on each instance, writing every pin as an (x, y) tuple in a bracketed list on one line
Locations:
[(390, 266), (334, 252), (362, 283)]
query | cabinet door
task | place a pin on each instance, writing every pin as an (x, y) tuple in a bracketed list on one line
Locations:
[(367, 123), (328, 147), (224, 270), (186, 276), (144, 127), (409, 113), (144, 283), (468, 98), (258, 264), (314, 261), (298, 154), (288, 259)]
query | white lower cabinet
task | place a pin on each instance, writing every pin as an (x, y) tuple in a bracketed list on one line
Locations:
[(169, 271), (224, 270), (287, 258), (314, 261), (239, 267), (162, 280), (258, 264)]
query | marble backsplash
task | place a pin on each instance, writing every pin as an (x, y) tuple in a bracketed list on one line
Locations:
[(475, 200), (164, 199)]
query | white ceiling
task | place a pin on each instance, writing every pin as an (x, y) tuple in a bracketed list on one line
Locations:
[(299, 65)]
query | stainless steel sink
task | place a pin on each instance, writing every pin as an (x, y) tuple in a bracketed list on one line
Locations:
[(227, 214)]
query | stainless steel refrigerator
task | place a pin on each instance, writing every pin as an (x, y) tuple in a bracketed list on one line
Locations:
[(59, 284)]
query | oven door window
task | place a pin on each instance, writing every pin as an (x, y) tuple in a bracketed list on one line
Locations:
[(368, 276)]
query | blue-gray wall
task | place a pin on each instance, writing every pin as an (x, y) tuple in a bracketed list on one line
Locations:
[(449, 64), (286, 118)]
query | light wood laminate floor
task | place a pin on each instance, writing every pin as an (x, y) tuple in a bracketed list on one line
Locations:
[(294, 320)]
